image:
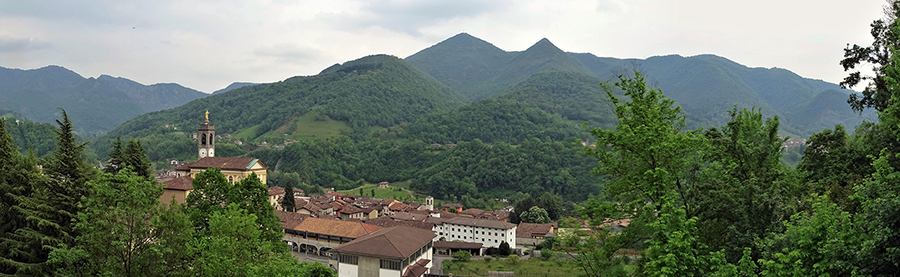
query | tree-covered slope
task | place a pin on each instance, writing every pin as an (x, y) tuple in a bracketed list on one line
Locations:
[(372, 91), (462, 62), (493, 120), (96, 105), (233, 86), (574, 96)]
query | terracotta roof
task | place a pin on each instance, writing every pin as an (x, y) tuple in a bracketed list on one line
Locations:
[(466, 221), (181, 183), (452, 205), (526, 230), (351, 209), (334, 227), (457, 244), (388, 222), (289, 219), (276, 190), (472, 212), (409, 216), (417, 269), (398, 242), (222, 162)]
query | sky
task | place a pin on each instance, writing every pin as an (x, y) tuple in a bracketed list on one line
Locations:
[(208, 44)]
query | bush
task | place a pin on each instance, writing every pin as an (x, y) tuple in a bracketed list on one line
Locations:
[(488, 259), (547, 253), (461, 256), (512, 259)]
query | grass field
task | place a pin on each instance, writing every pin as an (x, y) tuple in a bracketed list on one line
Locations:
[(305, 127), (404, 194), (531, 267)]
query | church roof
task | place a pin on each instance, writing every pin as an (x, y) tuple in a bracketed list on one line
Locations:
[(397, 242), (223, 163), (180, 183)]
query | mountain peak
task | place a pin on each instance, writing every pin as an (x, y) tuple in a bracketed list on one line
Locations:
[(544, 45)]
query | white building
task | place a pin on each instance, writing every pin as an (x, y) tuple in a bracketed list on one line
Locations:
[(490, 233), (398, 251)]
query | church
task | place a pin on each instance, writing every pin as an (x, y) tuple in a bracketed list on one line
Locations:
[(234, 169)]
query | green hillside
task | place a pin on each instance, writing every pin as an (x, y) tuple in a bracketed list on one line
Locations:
[(461, 62), (374, 91), (573, 96), (493, 120)]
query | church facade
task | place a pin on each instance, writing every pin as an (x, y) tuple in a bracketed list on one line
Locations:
[(234, 169)]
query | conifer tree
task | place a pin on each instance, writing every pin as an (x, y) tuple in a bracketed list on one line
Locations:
[(115, 157), (135, 158), (288, 203)]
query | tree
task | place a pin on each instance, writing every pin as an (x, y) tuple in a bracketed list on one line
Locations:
[(877, 94), (504, 248), (461, 256), (116, 158), (19, 175), (535, 215), (50, 210), (137, 160), (289, 203), (121, 232)]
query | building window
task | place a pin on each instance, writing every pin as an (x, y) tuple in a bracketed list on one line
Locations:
[(348, 259), (390, 264), (231, 179)]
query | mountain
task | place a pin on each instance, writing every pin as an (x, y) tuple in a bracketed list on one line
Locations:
[(95, 105), (374, 91), (705, 86), (232, 86)]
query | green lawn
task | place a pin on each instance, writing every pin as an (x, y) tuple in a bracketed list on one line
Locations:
[(530, 267), (392, 193)]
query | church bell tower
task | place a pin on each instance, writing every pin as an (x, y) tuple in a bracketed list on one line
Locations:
[(206, 135)]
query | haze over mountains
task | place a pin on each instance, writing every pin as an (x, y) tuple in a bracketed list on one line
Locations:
[(383, 91)]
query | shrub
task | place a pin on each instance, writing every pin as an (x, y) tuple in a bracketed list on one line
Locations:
[(512, 259), (488, 259), (504, 248), (547, 253), (461, 256)]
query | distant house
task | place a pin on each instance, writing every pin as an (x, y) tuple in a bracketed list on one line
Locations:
[(456, 206), (490, 233), (398, 251), (384, 185)]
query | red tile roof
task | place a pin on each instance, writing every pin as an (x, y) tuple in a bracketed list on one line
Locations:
[(221, 162), (526, 230), (276, 190), (457, 245), (334, 227), (466, 221), (417, 269), (183, 183)]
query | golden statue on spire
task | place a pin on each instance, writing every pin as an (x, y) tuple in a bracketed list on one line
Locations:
[(207, 116)]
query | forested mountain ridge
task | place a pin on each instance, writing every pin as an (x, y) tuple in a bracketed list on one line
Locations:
[(706, 86), (96, 105), (374, 91), (233, 86)]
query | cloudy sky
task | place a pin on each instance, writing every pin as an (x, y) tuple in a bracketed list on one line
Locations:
[(206, 45)]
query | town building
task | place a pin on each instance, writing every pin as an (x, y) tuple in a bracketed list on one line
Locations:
[(318, 235), (490, 233), (234, 169), (398, 251)]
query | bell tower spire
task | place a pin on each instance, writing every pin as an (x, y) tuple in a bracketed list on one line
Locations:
[(207, 138)]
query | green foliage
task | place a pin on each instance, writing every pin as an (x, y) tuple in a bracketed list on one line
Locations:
[(492, 120), (121, 231), (461, 256), (574, 96), (512, 259), (547, 253), (504, 248), (550, 202), (535, 214), (816, 243), (213, 193), (289, 203), (32, 136), (877, 93)]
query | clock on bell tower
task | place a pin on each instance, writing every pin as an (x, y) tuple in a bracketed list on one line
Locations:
[(206, 135)]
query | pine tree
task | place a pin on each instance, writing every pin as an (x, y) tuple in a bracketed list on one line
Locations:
[(51, 208), (135, 158), (288, 203), (115, 157), (16, 171)]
